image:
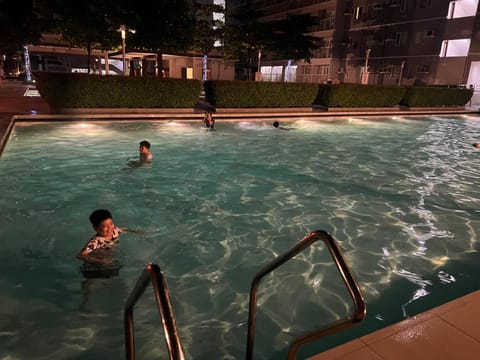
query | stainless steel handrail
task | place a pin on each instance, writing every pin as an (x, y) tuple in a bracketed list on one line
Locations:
[(153, 273), (352, 287)]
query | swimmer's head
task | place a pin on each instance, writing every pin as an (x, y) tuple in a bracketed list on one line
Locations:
[(98, 216), (477, 145), (276, 124), (145, 144)]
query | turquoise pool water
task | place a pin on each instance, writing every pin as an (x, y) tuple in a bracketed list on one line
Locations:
[(400, 195)]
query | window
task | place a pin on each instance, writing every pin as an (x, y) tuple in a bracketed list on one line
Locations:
[(429, 33), (464, 8), (398, 39), (358, 12), (403, 6), (455, 47), (423, 69), (424, 4)]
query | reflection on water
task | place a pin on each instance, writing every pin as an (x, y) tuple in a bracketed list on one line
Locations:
[(399, 194)]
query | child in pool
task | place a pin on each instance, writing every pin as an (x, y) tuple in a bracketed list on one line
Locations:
[(95, 251)]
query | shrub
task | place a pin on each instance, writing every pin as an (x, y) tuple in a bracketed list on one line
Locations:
[(250, 94), (354, 95), (436, 96), (62, 90)]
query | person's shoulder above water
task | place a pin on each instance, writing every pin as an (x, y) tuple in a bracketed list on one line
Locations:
[(144, 149)]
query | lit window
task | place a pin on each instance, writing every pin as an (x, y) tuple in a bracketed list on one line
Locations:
[(464, 8), (456, 47), (358, 12)]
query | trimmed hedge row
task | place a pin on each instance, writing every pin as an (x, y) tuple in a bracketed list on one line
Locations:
[(248, 94), (436, 96), (62, 90), (251, 94), (354, 95)]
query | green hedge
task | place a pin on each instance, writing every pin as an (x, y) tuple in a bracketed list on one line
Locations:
[(436, 96), (354, 95), (250, 94), (95, 91)]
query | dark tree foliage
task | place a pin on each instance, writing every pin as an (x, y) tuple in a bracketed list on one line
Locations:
[(244, 35), (87, 24), (288, 39), (160, 25), (20, 23), (207, 30)]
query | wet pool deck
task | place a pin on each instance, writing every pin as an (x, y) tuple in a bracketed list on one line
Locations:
[(450, 331)]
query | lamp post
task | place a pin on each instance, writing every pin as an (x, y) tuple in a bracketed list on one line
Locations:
[(365, 67), (258, 74), (123, 29), (401, 73)]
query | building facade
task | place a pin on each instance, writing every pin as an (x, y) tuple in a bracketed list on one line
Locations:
[(384, 42)]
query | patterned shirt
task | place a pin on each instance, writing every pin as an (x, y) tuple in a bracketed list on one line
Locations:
[(99, 242)]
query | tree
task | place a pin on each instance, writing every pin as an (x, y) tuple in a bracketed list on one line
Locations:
[(87, 24), (207, 31), (289, 40), (161, 26), (243, 36), (20, 24)]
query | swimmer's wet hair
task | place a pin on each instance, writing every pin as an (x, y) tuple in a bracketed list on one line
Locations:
[(98, 216), (145, 143)]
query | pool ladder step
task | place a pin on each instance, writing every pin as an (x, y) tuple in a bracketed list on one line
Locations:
[(152, 273)]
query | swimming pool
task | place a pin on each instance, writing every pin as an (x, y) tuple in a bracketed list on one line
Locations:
[(400, 195)]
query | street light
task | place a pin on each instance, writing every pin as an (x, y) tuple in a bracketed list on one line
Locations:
[(365, 67), (123, 29)]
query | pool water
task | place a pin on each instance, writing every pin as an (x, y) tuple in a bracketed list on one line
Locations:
[(400, 195)]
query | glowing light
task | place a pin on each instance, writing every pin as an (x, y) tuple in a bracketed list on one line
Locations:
[(84, 125), (440, 260), (28, 69)]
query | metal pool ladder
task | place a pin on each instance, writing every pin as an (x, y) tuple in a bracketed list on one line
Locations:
[(162, 296), (174, 346)]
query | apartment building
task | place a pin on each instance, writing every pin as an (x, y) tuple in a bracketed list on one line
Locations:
[(388, 42)]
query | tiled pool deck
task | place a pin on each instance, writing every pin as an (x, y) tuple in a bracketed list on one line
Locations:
[(448, 332)]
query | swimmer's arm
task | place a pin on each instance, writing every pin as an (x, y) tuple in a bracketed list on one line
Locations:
[(140, 232)]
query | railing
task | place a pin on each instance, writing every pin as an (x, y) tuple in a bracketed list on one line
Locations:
[(352, 287), (152, 273)]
